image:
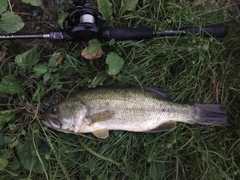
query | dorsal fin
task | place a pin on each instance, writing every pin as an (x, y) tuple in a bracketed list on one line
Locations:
[(159, 93)]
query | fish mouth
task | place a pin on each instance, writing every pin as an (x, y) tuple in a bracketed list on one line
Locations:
[(45, 121), (49, 123)]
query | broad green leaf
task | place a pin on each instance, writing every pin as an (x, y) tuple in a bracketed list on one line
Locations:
[(52, 61), (100, 77), (7, 115), (128, 5), (93, 46), (3, 163), (111, 42), (40, 69), (157, 170), (46, 76), (55, 79), (105, 7), (12, 126), (10, 23), (38, 168), (61, 18), (38, 93), (29, 159), (9, 139), (53, 69), (28, 58), (6, 153), (56, 84), (14, 143), (4, 5), (33, 2), (27, 155), (15, 165), (10, 85), (115, 63)]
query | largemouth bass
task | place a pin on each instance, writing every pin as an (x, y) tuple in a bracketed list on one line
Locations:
[(99, 110)]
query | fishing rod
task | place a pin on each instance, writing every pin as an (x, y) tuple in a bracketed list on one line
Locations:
[(86, 23)]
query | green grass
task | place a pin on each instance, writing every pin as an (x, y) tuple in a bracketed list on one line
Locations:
[(191, 68)]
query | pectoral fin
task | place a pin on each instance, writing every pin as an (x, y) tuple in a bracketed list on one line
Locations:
[(163, 127), (101, 116), (103, 133)]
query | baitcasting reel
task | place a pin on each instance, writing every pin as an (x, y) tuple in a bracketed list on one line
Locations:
[(83, 22)]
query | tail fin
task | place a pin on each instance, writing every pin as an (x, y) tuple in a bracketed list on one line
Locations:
[(211, 114)]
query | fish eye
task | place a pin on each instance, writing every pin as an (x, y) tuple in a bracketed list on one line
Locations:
[(53, 110)]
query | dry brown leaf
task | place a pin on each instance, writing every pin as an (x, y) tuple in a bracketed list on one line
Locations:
[(2, 54), (95, 55), (58, 57)]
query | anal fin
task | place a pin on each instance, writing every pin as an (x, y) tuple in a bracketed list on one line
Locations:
[(168, 125), (102, 133)]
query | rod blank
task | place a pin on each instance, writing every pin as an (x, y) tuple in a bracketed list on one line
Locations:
[(51, 35), (25, 36)]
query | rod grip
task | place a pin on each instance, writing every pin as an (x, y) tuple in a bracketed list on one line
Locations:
[(123, 33), (217, 30)]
